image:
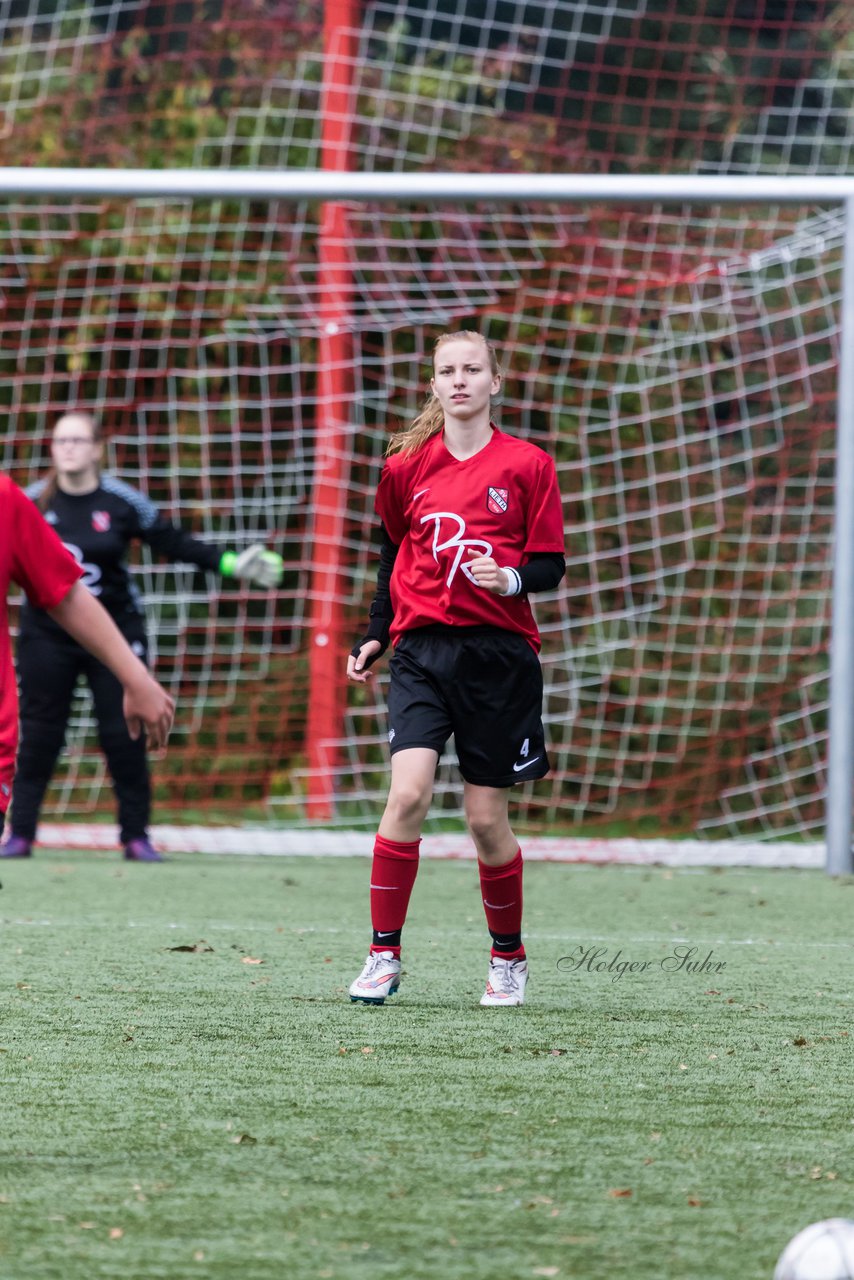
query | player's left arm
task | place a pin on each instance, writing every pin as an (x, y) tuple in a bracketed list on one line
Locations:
[(542, 564), (256, 564), (543, 571), (147, 706)]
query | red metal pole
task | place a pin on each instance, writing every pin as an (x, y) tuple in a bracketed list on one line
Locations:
[(327, 691)]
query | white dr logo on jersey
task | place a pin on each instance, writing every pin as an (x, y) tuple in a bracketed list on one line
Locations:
[(456, 542)]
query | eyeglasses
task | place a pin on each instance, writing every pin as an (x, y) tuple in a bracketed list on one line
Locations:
[(73, 440)]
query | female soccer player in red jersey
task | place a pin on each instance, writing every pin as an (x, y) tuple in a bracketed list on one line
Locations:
[(472, 524), (32, 555)]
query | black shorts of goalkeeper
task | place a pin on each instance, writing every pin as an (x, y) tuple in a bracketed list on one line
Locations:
[(483, 686)]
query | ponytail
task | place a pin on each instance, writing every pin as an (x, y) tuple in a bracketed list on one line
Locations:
[(429, 422), (431, 419), (48, 492)]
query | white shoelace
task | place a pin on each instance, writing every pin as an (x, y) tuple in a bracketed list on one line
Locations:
[(503, 971), (374, 961)]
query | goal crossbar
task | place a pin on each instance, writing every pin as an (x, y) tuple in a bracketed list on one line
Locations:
[(322, 184), (337, 186)]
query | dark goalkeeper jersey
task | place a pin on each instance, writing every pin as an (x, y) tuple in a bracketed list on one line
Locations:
[(98, 528)]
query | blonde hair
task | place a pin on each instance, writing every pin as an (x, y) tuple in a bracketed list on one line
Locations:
[(431, 419), (51, 484)]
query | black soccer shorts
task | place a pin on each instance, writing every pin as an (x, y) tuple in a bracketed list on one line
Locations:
[(482, 684)]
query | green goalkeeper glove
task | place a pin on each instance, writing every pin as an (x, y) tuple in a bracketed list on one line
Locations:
[(256, 564)]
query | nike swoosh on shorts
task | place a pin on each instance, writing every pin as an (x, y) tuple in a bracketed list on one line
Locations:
[(517, 768)]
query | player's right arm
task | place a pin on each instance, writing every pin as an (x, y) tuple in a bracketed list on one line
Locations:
[(375, 640)]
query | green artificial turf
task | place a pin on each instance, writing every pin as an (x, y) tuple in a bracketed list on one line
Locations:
[(228, 1113)]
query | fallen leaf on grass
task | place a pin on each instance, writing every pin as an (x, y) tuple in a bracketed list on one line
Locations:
[(695, 1202), (546, 1271), (251, 960), (245, 1139), (116, 1233), (201, 945), (620, 1193)]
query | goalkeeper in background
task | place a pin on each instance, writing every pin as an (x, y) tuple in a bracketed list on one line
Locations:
[(97, 517), (472, 524), (33, 556)]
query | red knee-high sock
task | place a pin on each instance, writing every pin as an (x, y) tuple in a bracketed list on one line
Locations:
[(393, 873), (501, 890)]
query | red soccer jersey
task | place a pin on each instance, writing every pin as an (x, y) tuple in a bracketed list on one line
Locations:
[(503, 502), (32, 555)]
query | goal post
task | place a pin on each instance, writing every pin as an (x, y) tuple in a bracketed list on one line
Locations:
[(488, 192)]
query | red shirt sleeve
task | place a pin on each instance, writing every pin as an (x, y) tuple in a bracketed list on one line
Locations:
[(544, 530), (40, 564), (389, 507)]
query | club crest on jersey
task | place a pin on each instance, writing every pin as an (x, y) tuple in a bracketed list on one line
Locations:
[(497, 500), (101, 521)]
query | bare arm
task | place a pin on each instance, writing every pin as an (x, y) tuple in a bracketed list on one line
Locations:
[(146, 705)]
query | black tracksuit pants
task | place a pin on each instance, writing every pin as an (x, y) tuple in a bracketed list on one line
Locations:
[(49, 666)]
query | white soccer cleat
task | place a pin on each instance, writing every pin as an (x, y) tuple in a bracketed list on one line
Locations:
[(505, 983), (379, 978)]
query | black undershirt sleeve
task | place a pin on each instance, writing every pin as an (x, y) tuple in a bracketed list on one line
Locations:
[(381, 611), (543, 572)]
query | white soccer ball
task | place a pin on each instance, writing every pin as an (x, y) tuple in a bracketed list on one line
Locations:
[(822, 1251)]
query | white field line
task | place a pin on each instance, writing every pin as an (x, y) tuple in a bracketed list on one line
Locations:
[(531, 935), (264, 842)]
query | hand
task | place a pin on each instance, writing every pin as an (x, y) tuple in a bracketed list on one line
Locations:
[(259, 566), (486, 573), (356, 668), (147, 706)]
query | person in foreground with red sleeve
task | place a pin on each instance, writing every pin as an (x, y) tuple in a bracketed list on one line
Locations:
[(99, 517), (472, 523), (32, 556)]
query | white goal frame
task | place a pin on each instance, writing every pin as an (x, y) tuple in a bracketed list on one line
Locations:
[(326, 185)]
